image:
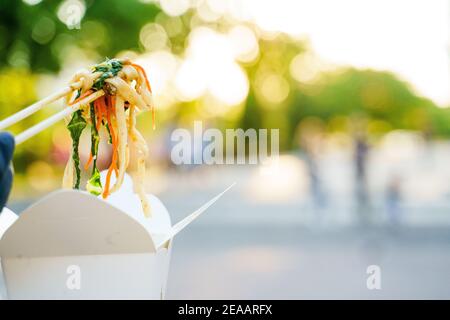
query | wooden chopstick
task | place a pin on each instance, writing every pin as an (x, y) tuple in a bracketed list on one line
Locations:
[(28, 111), (25, 135)]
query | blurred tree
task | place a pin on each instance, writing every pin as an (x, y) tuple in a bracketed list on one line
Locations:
[(33, 36), (380, 96)]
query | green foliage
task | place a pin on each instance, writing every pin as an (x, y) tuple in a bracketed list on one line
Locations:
[(33, 36), (376, 95)]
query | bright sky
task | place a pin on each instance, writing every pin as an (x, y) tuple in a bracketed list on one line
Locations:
[(409, 37)]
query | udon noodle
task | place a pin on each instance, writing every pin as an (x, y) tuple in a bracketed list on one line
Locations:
[(127, 92)]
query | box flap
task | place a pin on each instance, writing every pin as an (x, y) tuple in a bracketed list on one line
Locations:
[(161, 241), (70, 222)]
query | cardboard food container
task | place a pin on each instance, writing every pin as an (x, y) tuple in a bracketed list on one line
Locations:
[(72, 245)]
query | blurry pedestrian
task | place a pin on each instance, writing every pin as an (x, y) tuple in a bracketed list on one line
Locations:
[(392, 200), (310, 136), (361, 153)]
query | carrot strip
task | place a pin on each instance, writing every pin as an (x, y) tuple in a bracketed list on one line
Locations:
[(108, 118), (107, 183), (97, 115), (81, 97), (105, 106), (145, 75), (149, 89), (88, 163), (113, 166)]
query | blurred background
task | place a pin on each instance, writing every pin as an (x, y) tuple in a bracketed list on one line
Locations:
[(358, 89)]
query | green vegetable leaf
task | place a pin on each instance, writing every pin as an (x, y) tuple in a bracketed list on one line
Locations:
[(110, 68), (76, 127), (94, 184), (109, 133)]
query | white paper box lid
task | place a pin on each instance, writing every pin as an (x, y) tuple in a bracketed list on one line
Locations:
[(70, 223)]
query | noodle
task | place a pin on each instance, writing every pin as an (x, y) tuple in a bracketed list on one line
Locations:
[(122, 140), (127, 92)]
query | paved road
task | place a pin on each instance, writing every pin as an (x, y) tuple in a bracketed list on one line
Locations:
[(248, 247), (269, 262)]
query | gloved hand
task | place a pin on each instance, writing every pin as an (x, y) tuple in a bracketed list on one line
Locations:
[(6, 152)]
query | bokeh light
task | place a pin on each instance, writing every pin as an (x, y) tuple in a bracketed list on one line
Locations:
[(153, 37), (210, 66), (175, 7)]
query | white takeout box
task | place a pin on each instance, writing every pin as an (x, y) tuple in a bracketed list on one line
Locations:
[(72, 245)]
